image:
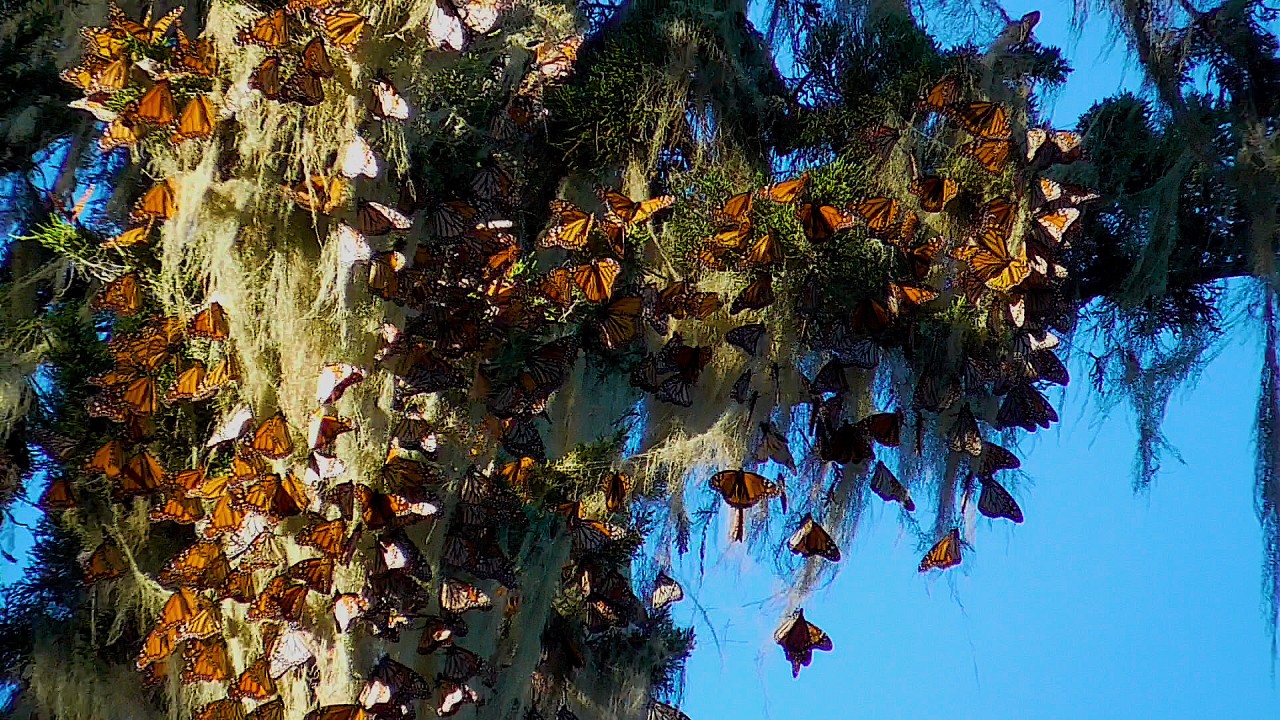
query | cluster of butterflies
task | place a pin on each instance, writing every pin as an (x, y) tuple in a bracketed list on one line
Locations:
[(140, 80), (297, 37), (483, 326)]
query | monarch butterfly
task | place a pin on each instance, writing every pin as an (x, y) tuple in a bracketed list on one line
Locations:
[(316, 573), (990, 259), (374, 219), (357, 158), (742, 489), (157, 106), (106, 562), (965, 435), (318, 194), (189, 385), (666, 591), (884, 428), (224, 709), (158, 203), (995, 458), (811, 540), (493, 183), (281, 599), (879, 213), (139, 396), (555, 286), (596, 278), (387, 102), (1048, 367), (272, 438), (206, 661), (615, 488), (746, 337), (272, 31), (986, 120), (99, 111), (334, 380), (278, 498), (453, 696), (885, 484), (571, 227), (1025, 407), (627, 212), (181, 607), (199, 57), (453, 219), (822, 222), (119, 133), (93, 77), (347, 607), (457, 597), (266, 77), (315, 60), (1055, 225), (211, 323), (939, 97), (323, 431), (254, 683), (160, 644), (1053, 191), (393, 683), (144, 32), (944, 554), (619, 322), (196, 121), (303, 88), (999, 213), (103, 43), (330, 537), (273, 710), (663, 711), (237, 586), (799, 638), (733, 237), (764, 252), (995, 501), (1066, 145), (909, 297), (992, 155), (343, 28), (59, 495), (133, 236), (772, 445), (879, 139), (179, 509), (785, 192), (934, 192), (736, 210), (141, 475), (757, 295), (201, 565), (107, 460), (555, 60)]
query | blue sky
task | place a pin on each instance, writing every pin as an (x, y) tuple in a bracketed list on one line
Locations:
[(1102, 604)]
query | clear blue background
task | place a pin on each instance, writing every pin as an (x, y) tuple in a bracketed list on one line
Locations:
[(1102, 604)]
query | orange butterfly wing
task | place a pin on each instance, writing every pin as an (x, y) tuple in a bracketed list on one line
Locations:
[(157, 106), (944, 554), (596, 279), (196, 121), (272, 438)]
